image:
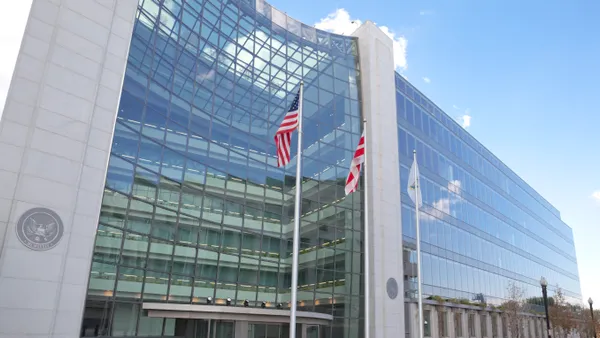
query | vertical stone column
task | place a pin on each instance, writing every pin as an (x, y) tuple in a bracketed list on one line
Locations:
[(413, 320), (450, 322), (498, 320), (383, 180), (465, 324), (55, 137), (433, 320), (478, 328), (490, 318)]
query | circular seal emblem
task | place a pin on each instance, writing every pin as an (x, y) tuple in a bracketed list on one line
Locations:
[(39, 229), (392, 288)]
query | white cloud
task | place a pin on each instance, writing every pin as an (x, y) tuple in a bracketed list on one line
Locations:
[(465, 118), (445, 206), (210, 75), (596, 195), (425, 12), (400, 44), (340, 22), (12, 26), (454, 186), (466, 121), (426, 79), (442, 205)]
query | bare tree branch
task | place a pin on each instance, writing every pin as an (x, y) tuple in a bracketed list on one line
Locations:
[(513, 310)]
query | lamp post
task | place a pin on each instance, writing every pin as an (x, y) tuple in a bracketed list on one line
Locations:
[(544, 284), (592, 312)]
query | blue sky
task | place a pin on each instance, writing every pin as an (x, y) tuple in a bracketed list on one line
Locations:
[(524, 74), (527, 75)]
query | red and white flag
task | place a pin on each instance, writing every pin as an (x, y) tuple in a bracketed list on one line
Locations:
[(357, 161), (283, 137)]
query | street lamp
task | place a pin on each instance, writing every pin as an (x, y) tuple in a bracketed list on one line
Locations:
[(592, 312), (544, 284)]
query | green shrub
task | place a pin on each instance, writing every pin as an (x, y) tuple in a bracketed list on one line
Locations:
[(465, 301), (437, 299)]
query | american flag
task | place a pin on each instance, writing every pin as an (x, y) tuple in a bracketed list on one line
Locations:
[(283, 137), (357, 161)]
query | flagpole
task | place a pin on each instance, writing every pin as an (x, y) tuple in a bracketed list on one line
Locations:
[(297, 215), (367, 237), (419, 292)]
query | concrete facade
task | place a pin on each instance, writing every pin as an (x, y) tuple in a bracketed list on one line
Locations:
[(55, 137), (383, 181), (483, 322)]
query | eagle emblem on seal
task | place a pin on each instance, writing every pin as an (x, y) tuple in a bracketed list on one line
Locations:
[(39, 229), (40, 232)]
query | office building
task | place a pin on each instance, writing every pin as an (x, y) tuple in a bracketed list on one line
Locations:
[(141, 196)]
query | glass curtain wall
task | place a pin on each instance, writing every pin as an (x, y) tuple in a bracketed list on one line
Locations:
[(194, 205), (482, 227)]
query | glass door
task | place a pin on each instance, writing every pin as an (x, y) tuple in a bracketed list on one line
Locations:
[(260, 330), (275, 330), (257, 330), (312, 331), (222, 329), (202, 327)]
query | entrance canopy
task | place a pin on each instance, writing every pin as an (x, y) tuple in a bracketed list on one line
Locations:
[(233, 313)]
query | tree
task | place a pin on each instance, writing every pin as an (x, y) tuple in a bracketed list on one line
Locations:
[(584, 322), (562, 315), (596, 323), (586, 326), (513, 309)]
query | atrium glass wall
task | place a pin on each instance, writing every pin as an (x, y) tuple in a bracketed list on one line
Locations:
[(194, 205), (482, 227)]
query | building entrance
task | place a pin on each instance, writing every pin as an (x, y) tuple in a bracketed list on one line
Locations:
[(198, 321), (204, 328), (208, 328)]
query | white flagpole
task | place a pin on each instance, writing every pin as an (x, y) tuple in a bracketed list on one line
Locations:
[(366, 243), (420, 295), (297, 215)]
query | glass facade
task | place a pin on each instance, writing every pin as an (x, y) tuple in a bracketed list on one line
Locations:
[(194, 205), (195, 210), (482, 227)]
